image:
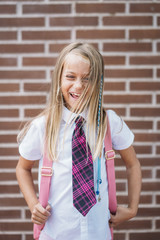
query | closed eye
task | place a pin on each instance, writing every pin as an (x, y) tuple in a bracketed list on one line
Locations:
[(70, 76)]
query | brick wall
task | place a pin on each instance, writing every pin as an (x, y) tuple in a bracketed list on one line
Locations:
[(127, 34)]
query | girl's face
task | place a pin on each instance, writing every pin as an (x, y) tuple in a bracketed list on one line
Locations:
[(75, 78)]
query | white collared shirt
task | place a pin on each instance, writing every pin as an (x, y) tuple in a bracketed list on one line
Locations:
[(65, 221)]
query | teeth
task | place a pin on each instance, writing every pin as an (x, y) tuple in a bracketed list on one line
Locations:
[(76, 94)]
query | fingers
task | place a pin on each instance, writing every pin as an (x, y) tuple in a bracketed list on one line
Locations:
[(48, 208), (111, 221), (40, 214)]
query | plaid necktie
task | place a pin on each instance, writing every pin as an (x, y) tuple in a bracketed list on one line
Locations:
[(82, 171)]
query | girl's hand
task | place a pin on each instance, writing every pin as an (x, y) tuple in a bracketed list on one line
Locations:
[(123, 214), (40, 214)]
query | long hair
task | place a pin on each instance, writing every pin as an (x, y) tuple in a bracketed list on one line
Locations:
[(53, 110)]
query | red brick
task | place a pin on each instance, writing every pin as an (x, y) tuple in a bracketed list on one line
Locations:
[(144, 7), (149, 162), (118, 99), (8, 35), (127, 47), (5, 202), (74, 21), (145, 86), (144, 199), (29, 236), (143, 112), (8, 163), (57, 47), (139, 124), (120, 111), (119, 236), (158, 224), (15, 226), (7, 9), (32, 112), (129, 73), (121, 174), (145, 235), (127, 21), (5, 87), (150, 186), (37, 87), (8, 62), (7, 214), (140, 60), (100, 8), (158, 72), (143, 149), (147, 137), (8, 138), (158, 47), (158, 174), (23, 100), (46, 8), (146, 174), (144, 34), (114, 86), (39, 61), (146, 212), (9, 189), (46, 35), (10, 237), (158, 124), (114, 60), (158, 149), (158, 98), (28, 214), (22, 74), (100, 34), (21, 48), (120, 186), (158, 199), (139, 224), (9, 112), (9, 151), (8, 176), (22, 22)]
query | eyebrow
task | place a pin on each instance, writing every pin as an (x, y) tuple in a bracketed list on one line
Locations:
[(85, 74)]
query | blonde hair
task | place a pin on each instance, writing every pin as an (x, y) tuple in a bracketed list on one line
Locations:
[(53, 111)]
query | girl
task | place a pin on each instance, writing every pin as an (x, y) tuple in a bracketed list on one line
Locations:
[(75, 91)]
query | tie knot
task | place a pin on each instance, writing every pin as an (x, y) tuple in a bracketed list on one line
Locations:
[(79, 121)]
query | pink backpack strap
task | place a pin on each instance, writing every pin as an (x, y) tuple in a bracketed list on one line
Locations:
[(46, 176), (110, 155)]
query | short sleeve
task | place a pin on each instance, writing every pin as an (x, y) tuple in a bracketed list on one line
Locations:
[(32, 144), (122, 136)]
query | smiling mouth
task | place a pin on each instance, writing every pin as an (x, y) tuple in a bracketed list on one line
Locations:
[(75, 95)]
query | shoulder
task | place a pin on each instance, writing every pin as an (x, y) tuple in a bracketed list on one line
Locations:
[(114, 119), (39, 123), (31, 147), (122, 136)]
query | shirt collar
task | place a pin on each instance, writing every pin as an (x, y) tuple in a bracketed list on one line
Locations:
[(68, 116)]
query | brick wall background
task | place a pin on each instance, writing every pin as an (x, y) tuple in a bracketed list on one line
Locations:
[(127, 34)]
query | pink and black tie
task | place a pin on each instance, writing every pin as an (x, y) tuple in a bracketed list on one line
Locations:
[(82, 171)]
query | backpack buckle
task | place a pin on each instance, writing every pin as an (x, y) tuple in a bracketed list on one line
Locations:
[(110, 154), (46, 171)]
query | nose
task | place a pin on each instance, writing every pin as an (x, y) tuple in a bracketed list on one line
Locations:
[(78, 83)]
